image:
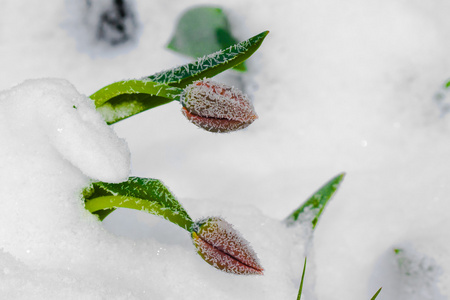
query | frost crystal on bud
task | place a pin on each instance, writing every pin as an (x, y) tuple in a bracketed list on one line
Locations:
[(217, 107), (220, 245)]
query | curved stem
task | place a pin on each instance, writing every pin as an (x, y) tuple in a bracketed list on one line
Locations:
[(112, 202), (124, 99), (135, 87)]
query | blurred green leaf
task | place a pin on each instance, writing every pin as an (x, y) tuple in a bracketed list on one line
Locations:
[(317, 202), (202, 30), (144, 194)]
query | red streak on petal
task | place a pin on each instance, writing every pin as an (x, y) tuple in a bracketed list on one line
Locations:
[(222, 260), (215, 124)]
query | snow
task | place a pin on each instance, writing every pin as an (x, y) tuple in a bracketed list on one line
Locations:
[(54, 144), (338, 87)]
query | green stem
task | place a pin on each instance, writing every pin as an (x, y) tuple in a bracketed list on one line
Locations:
[(112, 202), (124, 99), (135, 87)]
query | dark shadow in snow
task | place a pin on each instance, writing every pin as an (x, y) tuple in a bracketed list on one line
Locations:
[(103, 27)]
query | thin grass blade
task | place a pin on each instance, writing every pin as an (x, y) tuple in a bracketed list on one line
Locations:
[(299, 296)]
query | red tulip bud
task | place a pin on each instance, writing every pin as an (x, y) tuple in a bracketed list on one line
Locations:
[(217, 107), (220, 245)]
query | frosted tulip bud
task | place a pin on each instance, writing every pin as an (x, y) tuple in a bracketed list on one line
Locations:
[(217, 107), (220, 245)]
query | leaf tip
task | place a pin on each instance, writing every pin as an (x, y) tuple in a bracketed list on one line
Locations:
[(340, 176), (376, 294)]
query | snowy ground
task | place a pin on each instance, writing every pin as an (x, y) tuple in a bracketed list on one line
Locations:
[(339, 86)]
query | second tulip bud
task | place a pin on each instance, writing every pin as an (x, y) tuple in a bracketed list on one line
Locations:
[(217, 107)]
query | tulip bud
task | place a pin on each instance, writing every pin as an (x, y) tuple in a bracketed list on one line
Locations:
[(217, 107), (220, 245)]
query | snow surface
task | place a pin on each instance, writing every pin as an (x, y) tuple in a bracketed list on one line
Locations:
[(338, 86)]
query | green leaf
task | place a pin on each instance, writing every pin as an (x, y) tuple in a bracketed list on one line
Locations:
[(299, 296), (210, 65), (124, 99), (202, 30), (144, 194), (317, 202), (376, 294)]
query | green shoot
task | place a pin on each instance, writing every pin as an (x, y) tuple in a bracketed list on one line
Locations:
[(376, 294)]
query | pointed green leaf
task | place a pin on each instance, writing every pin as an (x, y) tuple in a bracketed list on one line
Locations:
[(202, 30), (144, 194), (317, 201), (210, 65), (376, 294), (123, 99)]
